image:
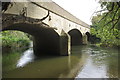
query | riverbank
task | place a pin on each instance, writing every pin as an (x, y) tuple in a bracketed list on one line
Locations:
[(14, 40), (99, 42), (107, 45)]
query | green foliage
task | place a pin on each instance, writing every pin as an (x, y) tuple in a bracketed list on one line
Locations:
[(107, 25), (93, 31), (14, 39), (9, 61)]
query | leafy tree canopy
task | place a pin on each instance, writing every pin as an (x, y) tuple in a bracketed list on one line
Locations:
[(106, 25)]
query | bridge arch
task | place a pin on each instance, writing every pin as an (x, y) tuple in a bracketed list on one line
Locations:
[(76, 37), (88, 36), (46, 40)]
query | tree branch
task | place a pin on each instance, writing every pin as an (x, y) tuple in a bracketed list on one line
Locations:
[(101, 10), (115, 13), (113, 18), (116, 22), (111, 7), (110, 22), (5, 6), (45, 16), (118, 3), (103, 17)]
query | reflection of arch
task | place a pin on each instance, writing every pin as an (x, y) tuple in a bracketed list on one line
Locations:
[(46, 40), (76, 37), (88, 36)]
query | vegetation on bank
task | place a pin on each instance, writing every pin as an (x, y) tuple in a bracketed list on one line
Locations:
[(106, 24), (14, 40), (9, 60)]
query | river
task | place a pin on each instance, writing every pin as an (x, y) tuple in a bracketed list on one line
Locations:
[(86, 61)]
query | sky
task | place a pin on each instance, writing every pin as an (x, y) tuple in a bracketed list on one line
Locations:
[(82, 9)]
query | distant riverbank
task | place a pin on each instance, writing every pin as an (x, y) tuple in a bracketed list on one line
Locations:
[(12, 40)]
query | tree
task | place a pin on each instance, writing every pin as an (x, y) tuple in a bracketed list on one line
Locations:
[(107, 24)]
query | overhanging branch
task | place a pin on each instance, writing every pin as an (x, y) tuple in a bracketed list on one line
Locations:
[(116, 22)]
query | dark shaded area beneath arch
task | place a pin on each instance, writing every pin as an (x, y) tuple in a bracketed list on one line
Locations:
[(76, 37), (88, 36), (92, 38), (46, 40), (47, 43)]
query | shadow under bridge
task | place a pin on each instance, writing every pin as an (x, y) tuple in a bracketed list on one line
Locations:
[(46, 41)]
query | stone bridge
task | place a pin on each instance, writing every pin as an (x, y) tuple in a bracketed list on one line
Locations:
[(54, 29)]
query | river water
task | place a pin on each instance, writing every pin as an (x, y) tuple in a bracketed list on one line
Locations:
[(85, 62)]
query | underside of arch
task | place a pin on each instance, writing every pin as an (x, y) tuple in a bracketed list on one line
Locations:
[(88, 36), (46, 39), (76, 37)]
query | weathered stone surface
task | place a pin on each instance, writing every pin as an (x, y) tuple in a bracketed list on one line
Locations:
[(53, 28)]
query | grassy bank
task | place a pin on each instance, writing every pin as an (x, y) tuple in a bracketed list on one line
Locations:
[(12, 40)]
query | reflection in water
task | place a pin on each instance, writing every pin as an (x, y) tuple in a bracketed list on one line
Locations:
[(84, 62), (101, 63), (28, 56), (90, 70)]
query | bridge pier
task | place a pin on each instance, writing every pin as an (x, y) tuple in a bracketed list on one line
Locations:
[(52, 44), (85, 40), (32, 18), (65, 46)]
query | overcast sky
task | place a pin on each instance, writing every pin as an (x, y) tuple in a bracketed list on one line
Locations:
[(82, 9)]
